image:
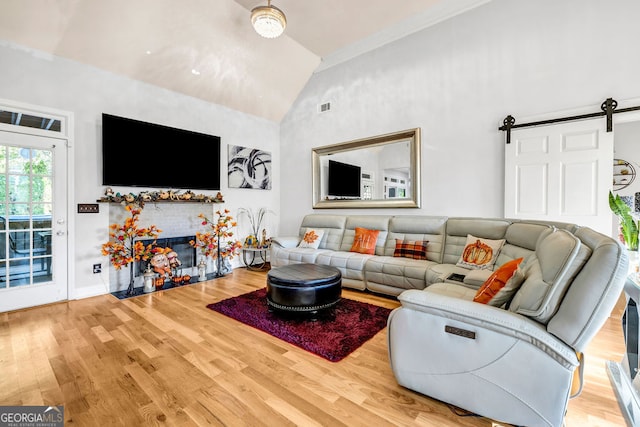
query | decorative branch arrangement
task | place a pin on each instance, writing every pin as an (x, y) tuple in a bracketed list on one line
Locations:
[(255, 222), (122, 247), (219, 242)]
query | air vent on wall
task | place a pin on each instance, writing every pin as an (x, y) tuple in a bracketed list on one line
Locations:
[(323, 108)]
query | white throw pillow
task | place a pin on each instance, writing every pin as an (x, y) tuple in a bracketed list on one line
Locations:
[(479, 253), (311, 239)]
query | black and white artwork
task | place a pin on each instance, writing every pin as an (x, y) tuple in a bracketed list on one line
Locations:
[(249, 168)]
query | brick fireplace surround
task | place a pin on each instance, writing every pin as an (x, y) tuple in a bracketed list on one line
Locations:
[(175, 219)]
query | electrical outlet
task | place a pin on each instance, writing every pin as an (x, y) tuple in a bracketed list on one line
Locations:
[(97, 268), (88, 208)]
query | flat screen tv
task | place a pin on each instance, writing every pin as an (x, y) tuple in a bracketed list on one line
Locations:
[(142, 154), (344, 180)]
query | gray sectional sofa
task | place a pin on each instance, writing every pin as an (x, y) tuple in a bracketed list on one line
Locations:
[(515, 363)]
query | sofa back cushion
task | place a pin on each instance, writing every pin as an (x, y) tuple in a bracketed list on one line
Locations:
[(369, 222), (521, 239), (559, 256), (333, 226), (457, 230), (417, 228), (594, 291)]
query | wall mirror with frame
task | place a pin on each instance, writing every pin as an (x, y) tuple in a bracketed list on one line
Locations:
[(377, 172)]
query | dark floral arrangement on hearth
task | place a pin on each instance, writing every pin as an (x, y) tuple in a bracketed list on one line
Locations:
[(218, 243)]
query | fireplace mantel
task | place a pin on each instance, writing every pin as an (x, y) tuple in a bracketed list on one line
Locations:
[(162, 196)]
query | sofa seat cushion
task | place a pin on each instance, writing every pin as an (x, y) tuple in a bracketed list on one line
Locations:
[(399, 272), (350, 264), (452, 290), (476, 278), (284, 256)]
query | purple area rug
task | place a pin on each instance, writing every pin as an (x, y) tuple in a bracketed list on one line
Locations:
[(332, 336)]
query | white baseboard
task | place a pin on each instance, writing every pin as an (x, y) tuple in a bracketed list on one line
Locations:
[(89, 291)]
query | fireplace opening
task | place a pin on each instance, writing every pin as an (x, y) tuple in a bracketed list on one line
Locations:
[(180, 245)]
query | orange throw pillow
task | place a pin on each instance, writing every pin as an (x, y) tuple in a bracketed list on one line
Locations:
[(501, 285), (364, 241)]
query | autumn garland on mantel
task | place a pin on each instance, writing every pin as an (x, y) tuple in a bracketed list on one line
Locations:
[(158, 196)]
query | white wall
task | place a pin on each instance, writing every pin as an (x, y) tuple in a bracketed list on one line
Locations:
[(457, 81), (35, 78)]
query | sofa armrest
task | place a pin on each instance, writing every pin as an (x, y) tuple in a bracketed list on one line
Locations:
[(485, 317), (286, 241), (489, 361)]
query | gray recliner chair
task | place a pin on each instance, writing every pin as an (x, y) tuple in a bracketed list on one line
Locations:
[(514, 363)]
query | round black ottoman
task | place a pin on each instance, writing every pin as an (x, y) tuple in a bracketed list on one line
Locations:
[(303, 288)]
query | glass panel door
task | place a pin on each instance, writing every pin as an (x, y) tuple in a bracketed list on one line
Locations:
[(33, 227), (25, 215)]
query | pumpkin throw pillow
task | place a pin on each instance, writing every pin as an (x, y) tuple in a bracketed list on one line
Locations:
[(364, 241), (501, 285), (480, 253), (311, 238), (411, 249)]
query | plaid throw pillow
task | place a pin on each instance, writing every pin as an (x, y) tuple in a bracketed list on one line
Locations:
[(411, 249)]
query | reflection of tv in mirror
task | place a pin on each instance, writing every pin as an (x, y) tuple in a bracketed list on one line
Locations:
[(344, 180)]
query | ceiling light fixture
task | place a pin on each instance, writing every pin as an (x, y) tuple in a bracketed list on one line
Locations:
[(268, 21)]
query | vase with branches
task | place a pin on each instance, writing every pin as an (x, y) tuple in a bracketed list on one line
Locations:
[(255, 219), (124, 249), (219, 241)]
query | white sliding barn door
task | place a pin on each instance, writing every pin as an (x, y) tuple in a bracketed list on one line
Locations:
[(561, 172)]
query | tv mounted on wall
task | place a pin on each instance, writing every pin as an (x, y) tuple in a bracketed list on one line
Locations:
[(142, 154), (344, 180)]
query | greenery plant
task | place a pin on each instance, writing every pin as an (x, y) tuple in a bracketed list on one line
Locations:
[(628, 224)]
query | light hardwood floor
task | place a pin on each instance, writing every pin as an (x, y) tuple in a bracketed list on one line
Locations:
[(165, 359)]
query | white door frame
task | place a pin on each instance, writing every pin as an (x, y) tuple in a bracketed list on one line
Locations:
[(66, 135)]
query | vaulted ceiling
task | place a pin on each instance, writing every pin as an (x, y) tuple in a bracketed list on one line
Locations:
[(208, 49)]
